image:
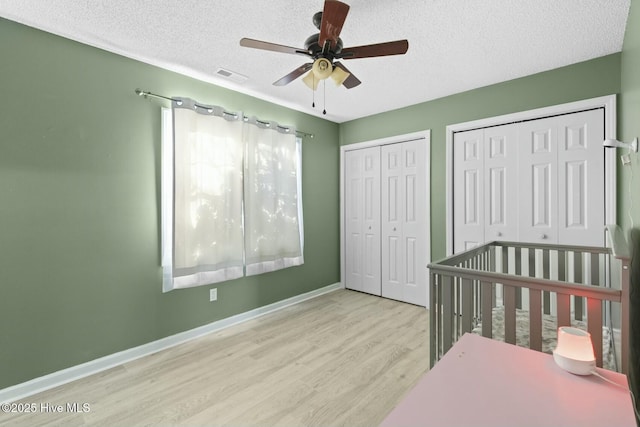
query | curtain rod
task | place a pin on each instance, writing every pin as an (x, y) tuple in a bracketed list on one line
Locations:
[(146, 94)]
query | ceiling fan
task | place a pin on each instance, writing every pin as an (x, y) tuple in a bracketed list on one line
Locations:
[(325, 47)]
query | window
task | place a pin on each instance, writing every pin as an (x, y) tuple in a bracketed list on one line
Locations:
[(231, 196)]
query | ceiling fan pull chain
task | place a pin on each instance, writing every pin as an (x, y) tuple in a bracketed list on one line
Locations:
[(313, 102), (324, 95)]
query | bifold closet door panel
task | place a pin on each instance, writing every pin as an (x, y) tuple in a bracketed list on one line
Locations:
[(501, 183), (393, 250), (362, 220), (562, 165), (468, 184), (538, 164), (404, 222), (581, 183)]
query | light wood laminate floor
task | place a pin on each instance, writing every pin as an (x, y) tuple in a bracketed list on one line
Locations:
[(341, 359)]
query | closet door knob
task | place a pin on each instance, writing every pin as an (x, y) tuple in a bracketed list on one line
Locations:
[(498, 234), (543, 236), (394, 229), (369, 227)]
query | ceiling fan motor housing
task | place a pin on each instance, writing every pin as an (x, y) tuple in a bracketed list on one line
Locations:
[(315, 50)]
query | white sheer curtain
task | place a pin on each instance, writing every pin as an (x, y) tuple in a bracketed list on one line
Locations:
[(231, 196), (273, 220), (207, 196)]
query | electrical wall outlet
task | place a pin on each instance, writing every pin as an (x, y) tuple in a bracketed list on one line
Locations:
[(213, 294)]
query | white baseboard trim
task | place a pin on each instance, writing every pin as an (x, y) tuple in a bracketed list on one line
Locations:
[(55, 379)]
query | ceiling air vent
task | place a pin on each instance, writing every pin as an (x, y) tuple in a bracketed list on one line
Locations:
[(231, 75)]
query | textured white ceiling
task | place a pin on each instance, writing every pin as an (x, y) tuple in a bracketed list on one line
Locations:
[(454, 45)]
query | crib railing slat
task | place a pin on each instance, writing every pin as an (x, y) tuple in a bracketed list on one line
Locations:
[(447, 313), (594, 326), (577, 267), (535, 319), (564, 309), (546, 264), (487, 309), (579, 277), (595, 269), (509, 314), (433, 324), (439, 315), (505, 259), (518, 261), (546, 302), (562, 266), (458, 309), (546, 274), (493, 266), (532, 262), (578, 303), (467, 306)]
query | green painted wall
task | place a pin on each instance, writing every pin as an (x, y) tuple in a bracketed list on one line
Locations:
[(629, 176), (79, 206), (589, 79)]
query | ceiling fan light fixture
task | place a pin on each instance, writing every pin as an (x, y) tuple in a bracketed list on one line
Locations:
[(339, 76), (311, 81), (322, 68)]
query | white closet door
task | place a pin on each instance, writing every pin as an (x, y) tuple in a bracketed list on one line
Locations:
[(468, 184), (581, 179), (538, 164), (404, 222), (501, 183), (362, 220)]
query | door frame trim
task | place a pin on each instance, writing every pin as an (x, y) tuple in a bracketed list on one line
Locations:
[(424, 134), (607, 102)]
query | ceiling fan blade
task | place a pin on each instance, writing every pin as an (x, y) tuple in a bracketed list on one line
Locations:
[(293, 75), (333, 16), (398, 47), (258, 44), (351, 81)]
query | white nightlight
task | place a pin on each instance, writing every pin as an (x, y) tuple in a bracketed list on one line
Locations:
[(574, 352)]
